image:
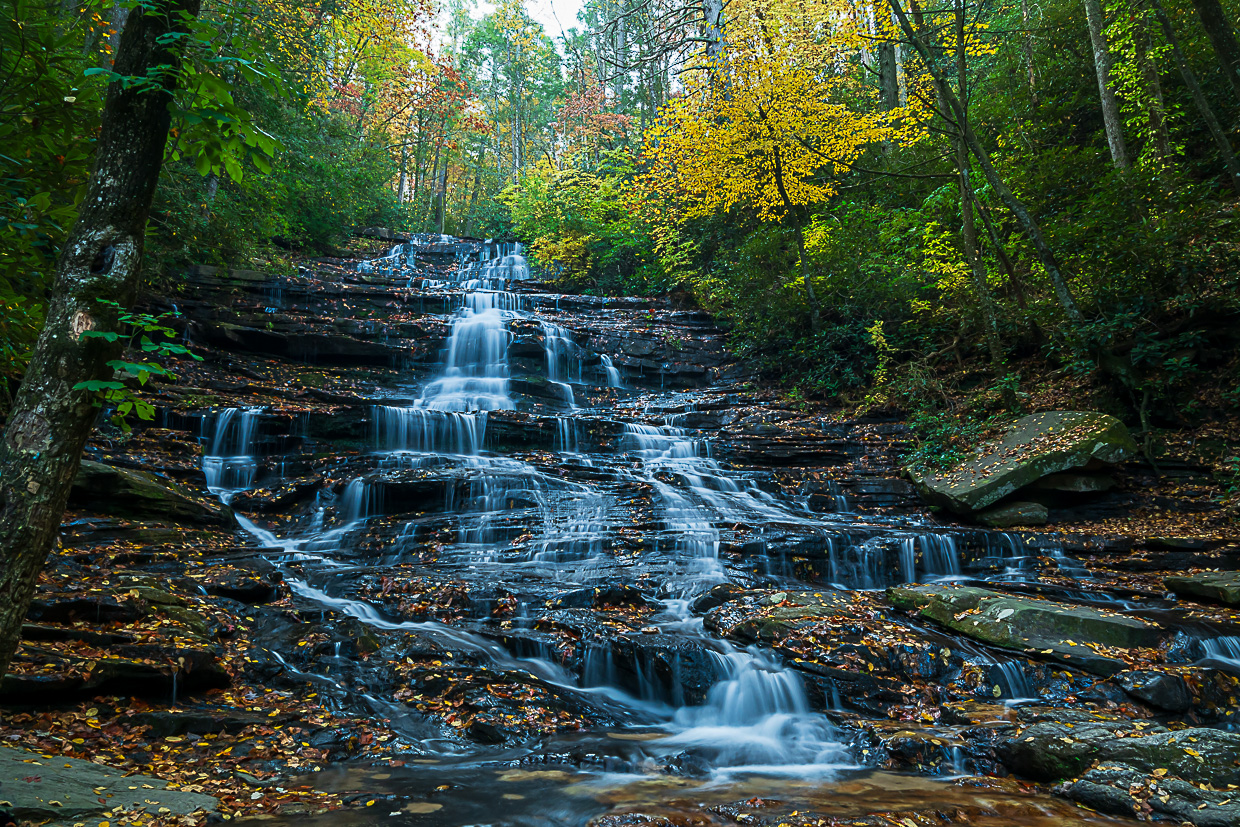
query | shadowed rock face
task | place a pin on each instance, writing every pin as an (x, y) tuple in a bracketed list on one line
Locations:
[(1035, 447)]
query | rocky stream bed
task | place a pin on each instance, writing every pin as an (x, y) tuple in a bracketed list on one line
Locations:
[(422, 543)]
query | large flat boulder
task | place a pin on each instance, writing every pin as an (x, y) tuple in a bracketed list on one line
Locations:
[(125, 492), (40, 788), (1215, 586), (1035, 447), (1059, 631), (1052, 750)]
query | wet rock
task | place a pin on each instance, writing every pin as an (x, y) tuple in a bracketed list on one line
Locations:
[(124, 492), (311, 347), (1056, 630), (1052, 750), (278, 497), (202, 720), (1122, 790), (239, 585), (1215, 586), (95, 608), (38, 789), (1158, 689), (716, 597), (1014, 514), (1036, 446), (601, 597)]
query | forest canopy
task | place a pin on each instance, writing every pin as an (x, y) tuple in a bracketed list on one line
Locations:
[(861, 190)]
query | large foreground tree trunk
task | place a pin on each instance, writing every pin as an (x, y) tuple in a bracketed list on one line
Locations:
[(102, 259)]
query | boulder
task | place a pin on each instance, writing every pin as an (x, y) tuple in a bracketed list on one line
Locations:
[(1215, 586), (1158, 689), (124, 492), (1035, 447), (1052, 750), (1119, 789), (1056, 630), (40, 789), (1012, 514)]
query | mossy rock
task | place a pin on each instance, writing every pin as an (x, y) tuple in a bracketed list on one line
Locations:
[(1035, 447), (1060, 631), (1215, 586), (131, 494)]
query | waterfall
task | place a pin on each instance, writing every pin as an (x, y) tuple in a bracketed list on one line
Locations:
[(228, 461), (610, 371)]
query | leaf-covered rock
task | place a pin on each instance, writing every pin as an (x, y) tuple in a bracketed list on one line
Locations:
[(1036, 446)]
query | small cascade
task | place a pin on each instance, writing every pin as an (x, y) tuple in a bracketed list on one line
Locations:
[(422, 430), (610, 371), (1225, 648), (563, 360), (475, 374), (228, 461), (1012, 681), (758, 717), (939, 554)]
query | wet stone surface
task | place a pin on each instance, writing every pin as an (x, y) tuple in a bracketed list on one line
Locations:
[(508, 557)]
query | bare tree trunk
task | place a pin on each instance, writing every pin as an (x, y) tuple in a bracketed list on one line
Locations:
[(1220, 29), (1106, 93), (1027, 46), (968, 230), (1155, 106), (1060, 285), (1199, 98), (101, 261)]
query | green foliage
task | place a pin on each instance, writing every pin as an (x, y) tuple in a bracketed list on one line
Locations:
[(145, 334), (47, 121), (588, 229)]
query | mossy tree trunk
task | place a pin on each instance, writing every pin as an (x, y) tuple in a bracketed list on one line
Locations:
[(101, 260)]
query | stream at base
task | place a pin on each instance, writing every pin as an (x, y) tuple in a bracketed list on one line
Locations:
[(616, 529)]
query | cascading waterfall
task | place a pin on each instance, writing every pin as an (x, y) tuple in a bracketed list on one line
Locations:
[(534, 519), (228, 461)]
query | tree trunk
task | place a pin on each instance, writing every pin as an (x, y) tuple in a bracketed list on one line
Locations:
[(101, 260), (1155, 106), (790, 211), (1102, 67), (968, 229), (1199, 98), (1219, 28), (888, 83), (1062, 292), (1027, 46)]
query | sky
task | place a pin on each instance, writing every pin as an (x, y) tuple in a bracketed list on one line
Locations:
[(545, 12)]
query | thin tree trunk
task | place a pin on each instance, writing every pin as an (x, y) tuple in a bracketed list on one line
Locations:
[(1059, 283), (1014, 279), (1027, 46), (1155, 106), (1220, 29), (968, 230), (1106, 93), (101, 261), (1199, 98), (810, 298)]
